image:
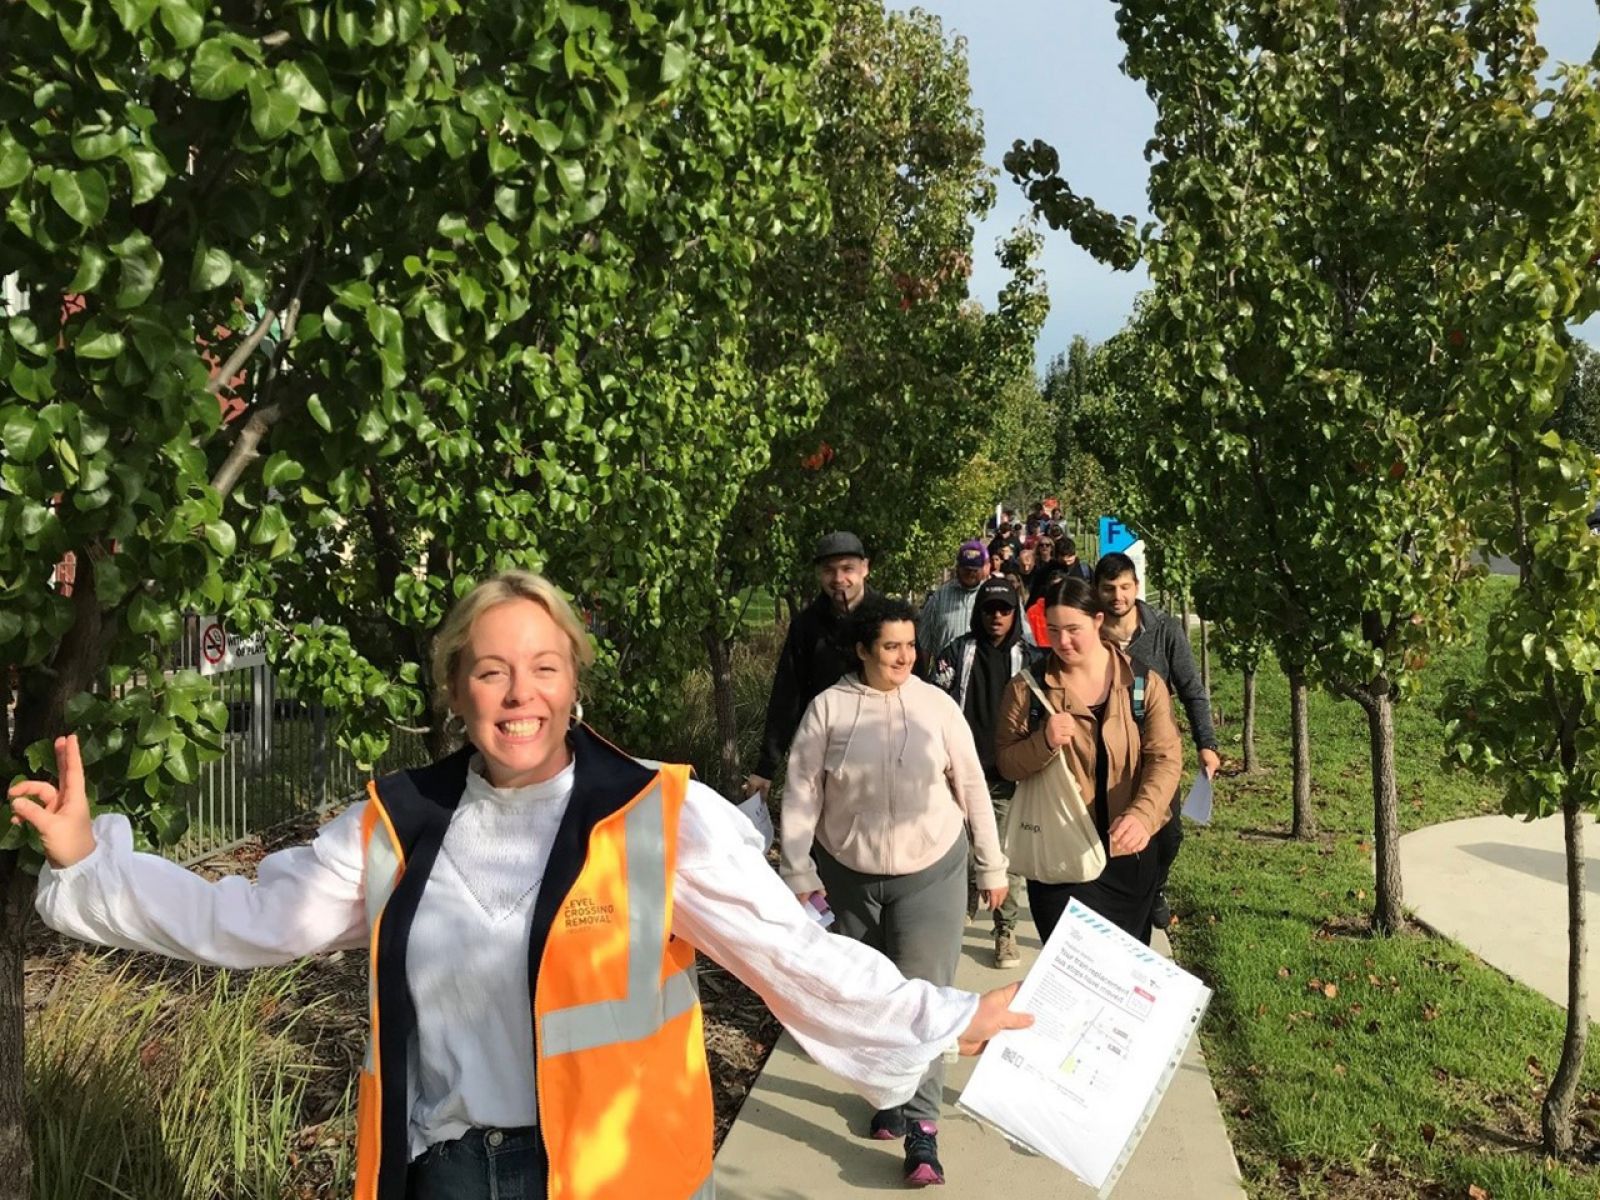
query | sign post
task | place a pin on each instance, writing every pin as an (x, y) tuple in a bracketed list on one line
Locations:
[(1115, 536), (221, 651)]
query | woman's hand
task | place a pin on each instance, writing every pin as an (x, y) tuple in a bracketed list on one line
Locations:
[(1058, 729), (994, 1014), (993, 898), (61, 815), (805, 897), (1128, 834)]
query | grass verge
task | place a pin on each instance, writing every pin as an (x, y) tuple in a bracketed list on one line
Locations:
[(1352, 1066)]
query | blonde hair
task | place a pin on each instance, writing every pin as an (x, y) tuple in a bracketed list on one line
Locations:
[(453, 635)]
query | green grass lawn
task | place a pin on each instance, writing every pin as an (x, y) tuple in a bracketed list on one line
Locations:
[(1348, 1065)]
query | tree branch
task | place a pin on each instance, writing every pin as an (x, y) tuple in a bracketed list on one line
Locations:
[(262, 419)]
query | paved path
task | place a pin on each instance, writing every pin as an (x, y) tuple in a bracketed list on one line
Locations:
[(1498, 886), (800, 1133)]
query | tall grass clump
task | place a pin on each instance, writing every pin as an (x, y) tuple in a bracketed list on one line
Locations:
[(188, 1086)]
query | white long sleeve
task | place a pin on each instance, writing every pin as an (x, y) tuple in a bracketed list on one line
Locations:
[(845, 1003), (303, 900)]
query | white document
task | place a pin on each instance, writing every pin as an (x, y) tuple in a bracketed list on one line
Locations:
[(754, 807), (1112, 1019), (1197, 804)]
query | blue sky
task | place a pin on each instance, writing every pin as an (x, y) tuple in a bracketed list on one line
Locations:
[(1048, 69)]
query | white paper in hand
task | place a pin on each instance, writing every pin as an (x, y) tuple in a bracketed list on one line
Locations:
[(1197, 805), (755, 808), (1112, 1019)]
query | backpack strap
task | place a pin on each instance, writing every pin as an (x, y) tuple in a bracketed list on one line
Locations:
[(1038, 693), (1140, 671)]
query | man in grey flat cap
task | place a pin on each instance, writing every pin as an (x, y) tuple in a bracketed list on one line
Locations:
[(813, 657)]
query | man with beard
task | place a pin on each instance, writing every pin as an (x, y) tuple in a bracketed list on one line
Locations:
[(813, 657), (948, 612), (974, 669), (1161, 643)]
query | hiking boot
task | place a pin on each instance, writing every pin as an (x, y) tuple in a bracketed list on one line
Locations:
[(1161, 914), (922, 1155), (888, 1124), (1005, 950)]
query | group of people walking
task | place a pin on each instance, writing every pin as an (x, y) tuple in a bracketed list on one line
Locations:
[(532, 904), (902, 763)]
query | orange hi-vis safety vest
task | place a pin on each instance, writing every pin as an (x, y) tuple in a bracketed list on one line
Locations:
[(624, 1092)]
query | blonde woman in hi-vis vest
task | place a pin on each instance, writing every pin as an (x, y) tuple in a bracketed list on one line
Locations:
[(531, 906)]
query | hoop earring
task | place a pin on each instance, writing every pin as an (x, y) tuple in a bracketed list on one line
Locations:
[(577, 714)]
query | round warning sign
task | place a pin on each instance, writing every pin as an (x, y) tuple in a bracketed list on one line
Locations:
[(213, 644)]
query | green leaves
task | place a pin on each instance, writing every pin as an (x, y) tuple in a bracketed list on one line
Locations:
[(181, 20), (97, 340), (294, 80), (216, 72), (272, 110), (82, 195), (14, 161), (148, 170), (211, 268), (140, 265), (674, 61), (24, 436)]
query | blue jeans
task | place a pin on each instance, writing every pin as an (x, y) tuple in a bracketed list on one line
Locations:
[(484, 1164)]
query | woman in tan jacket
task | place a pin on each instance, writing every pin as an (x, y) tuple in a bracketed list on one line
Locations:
[(1126, 768), (884, 782)]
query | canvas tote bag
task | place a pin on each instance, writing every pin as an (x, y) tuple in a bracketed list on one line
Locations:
[(1050, 833)]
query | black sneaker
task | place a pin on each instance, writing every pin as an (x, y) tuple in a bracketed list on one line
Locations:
[(922, 1155), (888, 1124), (1161, 914)]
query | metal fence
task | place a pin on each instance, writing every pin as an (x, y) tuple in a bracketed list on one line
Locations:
[(278, 762)]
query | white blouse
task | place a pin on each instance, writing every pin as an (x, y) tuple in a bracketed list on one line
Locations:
[(472, 1056)]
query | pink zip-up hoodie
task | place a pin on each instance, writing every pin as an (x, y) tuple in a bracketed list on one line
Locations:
[(886, 781)]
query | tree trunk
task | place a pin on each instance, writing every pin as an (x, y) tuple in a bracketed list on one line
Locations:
[(1555, 1115), (1250, 721), (42, 696), (1205, 660), (719, 651), (1305, 819), (16, 1155), (1388, 915), (440, 739)]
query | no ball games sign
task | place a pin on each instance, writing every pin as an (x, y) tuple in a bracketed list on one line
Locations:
[(219, 650)]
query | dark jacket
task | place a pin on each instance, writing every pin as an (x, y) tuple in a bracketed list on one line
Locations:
[(1056, 570), (952, 670), (813, 659), (1162, 644)]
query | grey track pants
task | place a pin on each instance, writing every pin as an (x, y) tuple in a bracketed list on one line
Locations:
[(916, 920)]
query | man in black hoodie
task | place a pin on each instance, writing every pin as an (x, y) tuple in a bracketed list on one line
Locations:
[(974, 669), (814, 655)]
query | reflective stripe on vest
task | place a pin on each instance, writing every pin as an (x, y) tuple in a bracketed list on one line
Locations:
[(651, 1002), (624, 1091)]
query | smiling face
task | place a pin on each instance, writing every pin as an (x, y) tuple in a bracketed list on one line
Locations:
[(515, 688), (887, 663), (1074, 634), (1119, 595), (843, 579)]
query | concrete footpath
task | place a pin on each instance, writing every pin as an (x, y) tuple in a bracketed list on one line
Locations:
[(1498, 886), (801, 1133)]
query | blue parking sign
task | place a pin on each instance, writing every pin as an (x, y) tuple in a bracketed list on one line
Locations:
[(1114, 535)]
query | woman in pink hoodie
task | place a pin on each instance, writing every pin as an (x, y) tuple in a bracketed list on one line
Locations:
[(884, 784)]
